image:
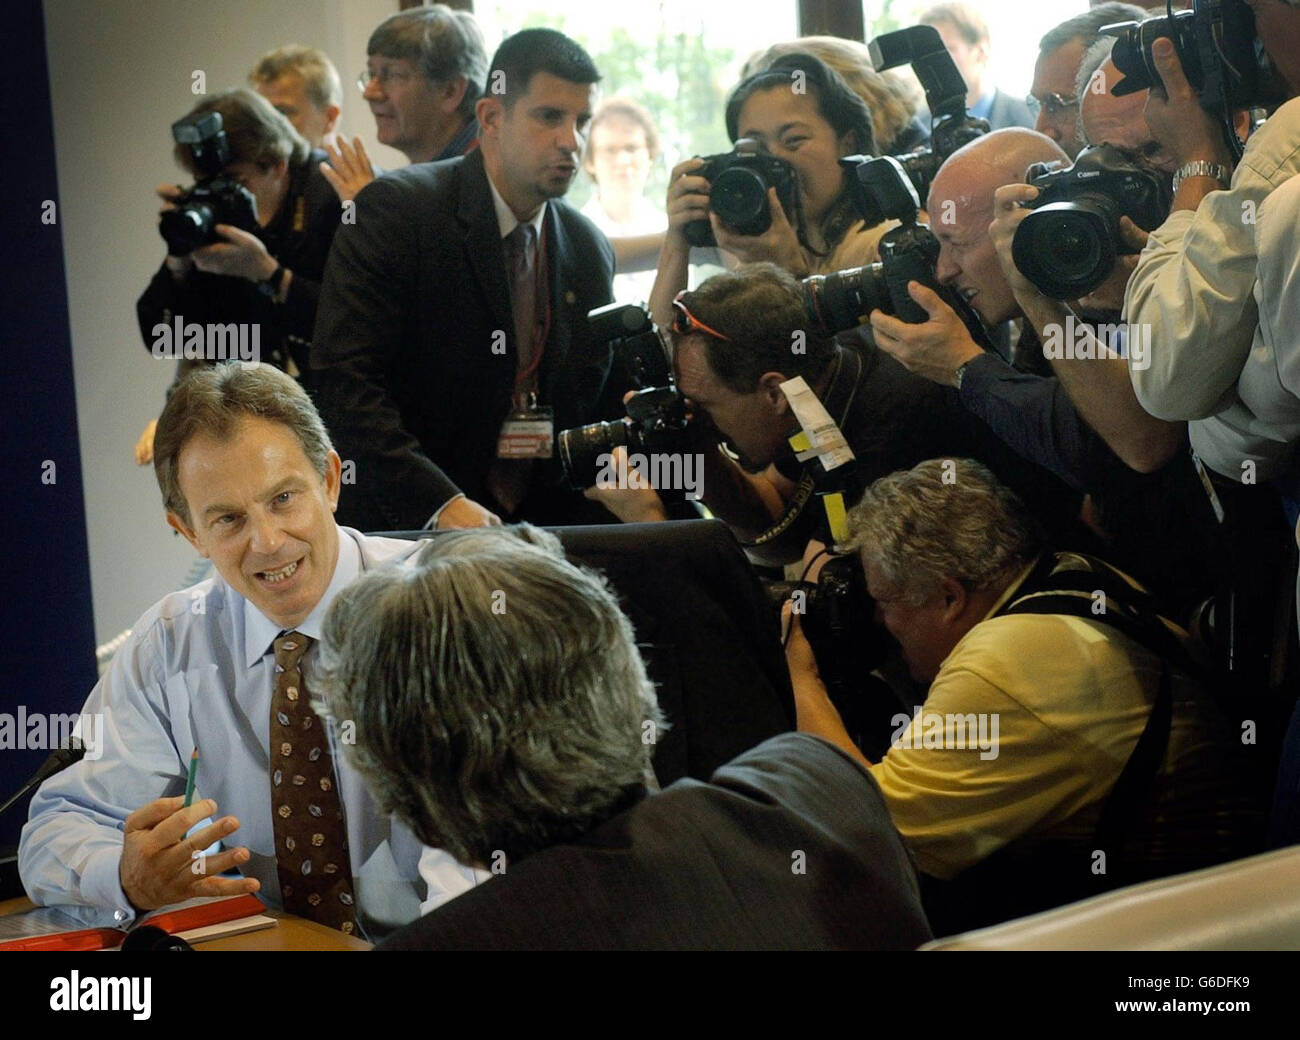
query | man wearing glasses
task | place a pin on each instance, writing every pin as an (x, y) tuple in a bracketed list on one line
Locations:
[(425, 69), (424, 73), (1060, 53)]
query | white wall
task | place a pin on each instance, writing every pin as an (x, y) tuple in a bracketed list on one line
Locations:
[(120, 74)]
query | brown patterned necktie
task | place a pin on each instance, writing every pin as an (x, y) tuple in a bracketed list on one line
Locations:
[(311, 842)]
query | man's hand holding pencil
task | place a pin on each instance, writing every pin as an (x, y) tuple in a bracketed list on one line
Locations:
[(159, 863)]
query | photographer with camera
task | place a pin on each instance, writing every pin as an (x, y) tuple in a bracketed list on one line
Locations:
[(788, 192), (1193, 283), (1052, 731), (246, 246), (761, 379), (1083, 423), (1216, 284)]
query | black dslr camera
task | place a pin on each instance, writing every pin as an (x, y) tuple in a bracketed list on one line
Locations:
[(215, 198), (738, 183), (657, 421), (1068, 245), (837, 615), (1221, 54), (841, 301), (633, 341), (657, 424), (945, 92)]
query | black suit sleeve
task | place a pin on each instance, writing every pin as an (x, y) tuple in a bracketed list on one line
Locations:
[(370, 281)]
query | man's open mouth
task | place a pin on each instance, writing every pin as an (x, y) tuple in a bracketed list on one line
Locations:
[(283, 574)]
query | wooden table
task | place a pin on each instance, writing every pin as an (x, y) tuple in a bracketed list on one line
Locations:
[(289, 933)]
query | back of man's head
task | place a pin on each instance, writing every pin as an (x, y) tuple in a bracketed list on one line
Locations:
[(530, 51), (943, 519), (500, 702), (320, 79), (255, 132), (442, 43), (760, 309), (212, 401)]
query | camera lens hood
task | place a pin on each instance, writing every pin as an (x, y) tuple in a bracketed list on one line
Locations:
[(1067, 249)]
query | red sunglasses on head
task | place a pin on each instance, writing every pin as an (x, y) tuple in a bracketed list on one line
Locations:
[(684, 321)]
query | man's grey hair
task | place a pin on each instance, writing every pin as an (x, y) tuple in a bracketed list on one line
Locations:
[(443, 43), (499, 700), (320, 79), (1087, 26), (944, 518), (1093, 58)]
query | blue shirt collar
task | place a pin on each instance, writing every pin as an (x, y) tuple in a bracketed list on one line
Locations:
[(260, 631), (460, 144), (984, 106)]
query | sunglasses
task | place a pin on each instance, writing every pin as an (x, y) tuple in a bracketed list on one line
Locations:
[(684, 321)]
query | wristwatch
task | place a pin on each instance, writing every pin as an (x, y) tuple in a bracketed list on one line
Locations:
[(271, 286), (960, 371), (1201, 168)]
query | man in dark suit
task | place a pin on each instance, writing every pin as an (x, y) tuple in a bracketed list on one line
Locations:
[(451, 340), (966, 36), (522, 745)]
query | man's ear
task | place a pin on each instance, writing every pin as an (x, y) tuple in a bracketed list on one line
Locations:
[(332, 113), (490, 112), (333, 470), (177, 524), (769, 385), (450, 92), (953, 598)]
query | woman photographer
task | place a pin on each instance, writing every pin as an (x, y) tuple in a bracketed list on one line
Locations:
[(270, 278), (802, 112)]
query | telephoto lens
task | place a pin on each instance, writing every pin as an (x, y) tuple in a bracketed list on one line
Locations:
[(657, 423), (842, 300)]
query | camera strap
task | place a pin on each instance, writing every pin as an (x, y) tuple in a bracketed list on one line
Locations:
[(1096, 591)]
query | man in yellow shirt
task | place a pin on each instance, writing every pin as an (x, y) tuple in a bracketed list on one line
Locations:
[(1031, 717)]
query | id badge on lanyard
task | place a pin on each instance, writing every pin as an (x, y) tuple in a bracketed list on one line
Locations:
[(529, 430)]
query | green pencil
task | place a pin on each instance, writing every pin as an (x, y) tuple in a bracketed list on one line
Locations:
[(189, 784)]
